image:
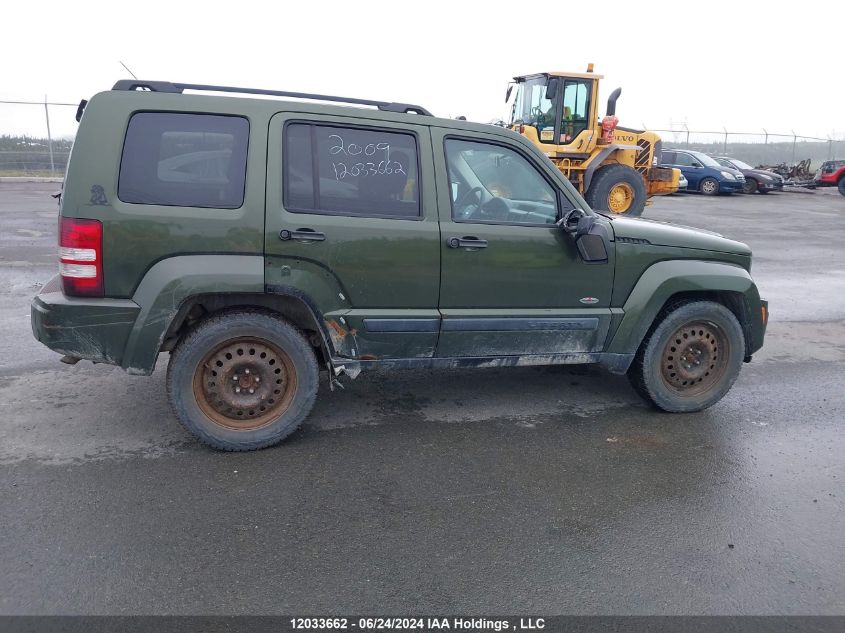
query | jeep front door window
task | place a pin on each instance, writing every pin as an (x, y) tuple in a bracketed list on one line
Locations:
[(493, 183), (575, 114)]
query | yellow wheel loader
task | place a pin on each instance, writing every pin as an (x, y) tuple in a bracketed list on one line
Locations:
[(615, 168)]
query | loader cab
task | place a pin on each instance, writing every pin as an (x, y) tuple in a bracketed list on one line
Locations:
[(556, 111)]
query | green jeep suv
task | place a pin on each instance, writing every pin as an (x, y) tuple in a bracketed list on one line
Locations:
[(261, 240)]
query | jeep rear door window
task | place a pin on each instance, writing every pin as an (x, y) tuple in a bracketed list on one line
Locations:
[(492, 183), (350, 171), (184, 160)]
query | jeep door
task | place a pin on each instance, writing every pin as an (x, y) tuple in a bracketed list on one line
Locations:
[(352, 229), (512, 282)]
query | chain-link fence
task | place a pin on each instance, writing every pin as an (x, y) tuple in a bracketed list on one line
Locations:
[(36, 138), (757, 148), (30, 142)]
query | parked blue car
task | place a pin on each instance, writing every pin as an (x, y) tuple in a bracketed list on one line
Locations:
[(703, 173)]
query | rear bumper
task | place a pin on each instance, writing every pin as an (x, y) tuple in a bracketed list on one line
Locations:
[(89, 329)]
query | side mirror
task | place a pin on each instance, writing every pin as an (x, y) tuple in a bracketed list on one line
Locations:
[(590, 235), (569, 222), (551, 88)]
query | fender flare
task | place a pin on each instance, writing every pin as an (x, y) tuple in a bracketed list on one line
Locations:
[(667, 278), (165, 287)]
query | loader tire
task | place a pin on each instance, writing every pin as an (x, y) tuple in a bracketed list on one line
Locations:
[(617, 189)]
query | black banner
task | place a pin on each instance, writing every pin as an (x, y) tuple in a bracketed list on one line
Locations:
[(423, 624)]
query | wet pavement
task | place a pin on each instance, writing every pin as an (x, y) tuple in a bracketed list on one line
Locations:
[(529, 490)]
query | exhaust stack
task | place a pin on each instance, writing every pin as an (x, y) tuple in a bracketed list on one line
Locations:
[(611, 101)]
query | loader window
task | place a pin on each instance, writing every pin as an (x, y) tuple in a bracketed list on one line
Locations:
[(576, 104)]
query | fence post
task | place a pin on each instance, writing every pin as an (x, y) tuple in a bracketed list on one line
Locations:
[(829, 148), (725, 148), (766, 142), (49, 137), (687, 129), (794, 140)]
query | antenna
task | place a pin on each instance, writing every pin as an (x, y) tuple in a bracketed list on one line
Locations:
[(127, 69)]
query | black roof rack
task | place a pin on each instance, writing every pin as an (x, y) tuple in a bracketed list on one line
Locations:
[(166, 86)]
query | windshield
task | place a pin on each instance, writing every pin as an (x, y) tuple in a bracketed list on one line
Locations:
[(706, 160), (532, 108), (739, 164)]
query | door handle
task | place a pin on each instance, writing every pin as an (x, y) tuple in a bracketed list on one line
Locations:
[(468, 241), (302, 235)]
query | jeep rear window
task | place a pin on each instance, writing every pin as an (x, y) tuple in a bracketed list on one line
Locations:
[(350, 171), (184, 160)]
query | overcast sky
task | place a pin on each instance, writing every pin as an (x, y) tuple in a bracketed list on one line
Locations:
[(743, 65)]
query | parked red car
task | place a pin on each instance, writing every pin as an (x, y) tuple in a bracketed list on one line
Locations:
[(831, 174)]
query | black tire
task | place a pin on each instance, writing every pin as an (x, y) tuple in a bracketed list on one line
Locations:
[(709, 186), (709, 334), (841, 186), (274, 349), (609, 177), (750, 186)]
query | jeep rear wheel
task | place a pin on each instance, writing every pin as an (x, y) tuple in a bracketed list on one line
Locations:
[(691, 358), (242, 380), (841, 186), (245, 383)]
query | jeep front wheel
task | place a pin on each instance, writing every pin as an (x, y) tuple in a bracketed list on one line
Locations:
[(242, 380), (691, 359)]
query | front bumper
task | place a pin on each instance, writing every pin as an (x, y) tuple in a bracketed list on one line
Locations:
[(730, 186), (90, 329), (756, 322)]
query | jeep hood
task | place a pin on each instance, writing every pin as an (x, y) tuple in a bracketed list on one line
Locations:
[(667, 234)]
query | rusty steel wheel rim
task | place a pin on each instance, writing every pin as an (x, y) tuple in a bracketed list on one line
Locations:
[(695, 358), (621, 197), (245, 383)]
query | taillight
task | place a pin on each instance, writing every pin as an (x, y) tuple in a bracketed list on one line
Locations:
[(81, 257)]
